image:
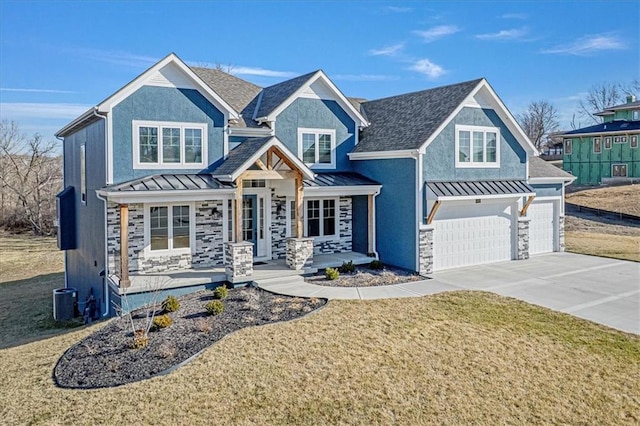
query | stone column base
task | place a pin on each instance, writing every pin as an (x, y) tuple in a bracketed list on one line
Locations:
[(425, 250), (561, 246), (299, 253), (239, 261), (523, 238)]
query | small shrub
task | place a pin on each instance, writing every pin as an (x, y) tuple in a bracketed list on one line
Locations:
[(162, 321), (167, 350), (215, 307), (170, 304), (331, 274), (203, 325), (140, 339), (376, 265), (348, 267), (252, 300), (220, 292)]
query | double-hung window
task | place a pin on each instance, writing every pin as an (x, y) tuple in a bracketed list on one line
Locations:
[(169, 227), (167, 144), (317, 147), (477, 146), (320, 218), (597, 145)]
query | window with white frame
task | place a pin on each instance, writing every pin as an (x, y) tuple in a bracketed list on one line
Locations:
[(317, 147), (320, 218), (597, 145), (633, 141), (567, 146), (176, 145), (607, 142), (477, 146), (83, 173), (619, 170), (170, 227)]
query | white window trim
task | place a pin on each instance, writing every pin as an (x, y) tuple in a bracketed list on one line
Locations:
[(317, 132), (322, 237), (607, 142), (597, 141), (484, 130), (633, 140), (626, 169), (288, 211), (170, 251), (136, 124), (568, 143)]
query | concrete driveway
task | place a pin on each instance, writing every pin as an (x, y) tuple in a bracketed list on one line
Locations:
[(606, 291)]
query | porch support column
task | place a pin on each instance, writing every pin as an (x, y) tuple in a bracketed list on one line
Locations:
[(299, 204), (523, 237), (371, 247), (124, 246), (237, 218)]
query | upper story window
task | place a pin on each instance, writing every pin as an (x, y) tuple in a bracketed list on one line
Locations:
[(597, 145), (477, 146), (633, 141), (567, 146), (635, 115), (317, 147), (607, 142), (168, 144)]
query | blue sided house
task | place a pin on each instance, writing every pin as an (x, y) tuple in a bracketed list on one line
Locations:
[(190, 177)]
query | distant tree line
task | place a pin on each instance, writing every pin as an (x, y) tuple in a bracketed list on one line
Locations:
[(30, 178)]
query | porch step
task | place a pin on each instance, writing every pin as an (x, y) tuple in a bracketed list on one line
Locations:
[(275, 282)]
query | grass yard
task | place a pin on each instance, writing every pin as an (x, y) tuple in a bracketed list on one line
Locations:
[(623, 199), (30, 268)]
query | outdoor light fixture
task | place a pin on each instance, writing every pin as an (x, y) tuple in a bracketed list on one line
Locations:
[(216, 213)]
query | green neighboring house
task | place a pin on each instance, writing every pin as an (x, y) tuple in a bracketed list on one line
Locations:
[(607, 152)]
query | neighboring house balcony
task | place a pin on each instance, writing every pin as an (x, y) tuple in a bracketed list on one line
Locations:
[(262, 206)]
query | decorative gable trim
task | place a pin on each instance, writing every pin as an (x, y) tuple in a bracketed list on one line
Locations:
[(306, 91), (159, 75), (492, 100)]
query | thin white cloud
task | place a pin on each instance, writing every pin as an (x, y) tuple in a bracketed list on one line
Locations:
[(115, 57), (428, 68), (364, 77), (261, 72), (23, 90), (16, 111), (398, 9), (512, 34), (589, 44), (514, 16), (435, 33), (391, 50)]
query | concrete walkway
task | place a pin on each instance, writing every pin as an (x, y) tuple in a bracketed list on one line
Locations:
[(606, 291)]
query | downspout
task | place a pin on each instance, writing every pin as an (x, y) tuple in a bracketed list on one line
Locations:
[(64, 185), (104, 200), (375, 231)]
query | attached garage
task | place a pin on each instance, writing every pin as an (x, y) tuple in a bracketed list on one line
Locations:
[(543, 226), (469, 233)]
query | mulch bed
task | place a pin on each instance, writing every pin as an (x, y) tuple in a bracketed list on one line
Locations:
[(366, 277), (106, 358)]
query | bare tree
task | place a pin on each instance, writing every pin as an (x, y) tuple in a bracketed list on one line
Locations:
[(599, 97), (538, 121), (224, 68), (633, 88), (31, 175)]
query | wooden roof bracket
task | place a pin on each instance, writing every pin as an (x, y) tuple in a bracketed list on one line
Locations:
[(433, 211), (523, 212)]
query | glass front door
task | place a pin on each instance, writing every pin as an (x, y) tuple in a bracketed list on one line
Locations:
[(254, 223)]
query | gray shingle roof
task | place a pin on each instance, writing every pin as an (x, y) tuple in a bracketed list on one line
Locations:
[(240, 155), (166, 182), (478, 188), (407, 121), (539, 168), (627, 105), (274, 96), (240, 94), (339, 179)]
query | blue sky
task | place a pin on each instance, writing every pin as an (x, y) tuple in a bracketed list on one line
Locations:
[(58, 58)]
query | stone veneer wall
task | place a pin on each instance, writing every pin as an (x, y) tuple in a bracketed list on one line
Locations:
[(278, 226), (343, 242), (425, 250), (208, 243), (523, 238)]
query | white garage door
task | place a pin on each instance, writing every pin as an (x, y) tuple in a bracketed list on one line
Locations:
[(542, 227), (471, 234)]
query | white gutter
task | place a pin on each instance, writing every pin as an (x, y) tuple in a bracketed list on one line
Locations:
[(106, 258)]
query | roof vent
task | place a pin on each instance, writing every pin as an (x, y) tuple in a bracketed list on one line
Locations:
[(631, 98)]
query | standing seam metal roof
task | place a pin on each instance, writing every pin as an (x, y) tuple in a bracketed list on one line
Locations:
[(479, 188)]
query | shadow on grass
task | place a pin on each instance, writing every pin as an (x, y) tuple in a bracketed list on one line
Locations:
[(26, 310)]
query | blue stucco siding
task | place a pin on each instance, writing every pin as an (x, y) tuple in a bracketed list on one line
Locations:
[(547, 189), (318, 114), (439, 158), (396, 222), (162, 104), (360, 227), (87, 260)]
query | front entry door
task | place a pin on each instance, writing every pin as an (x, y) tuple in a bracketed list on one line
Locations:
[(253, 223)]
